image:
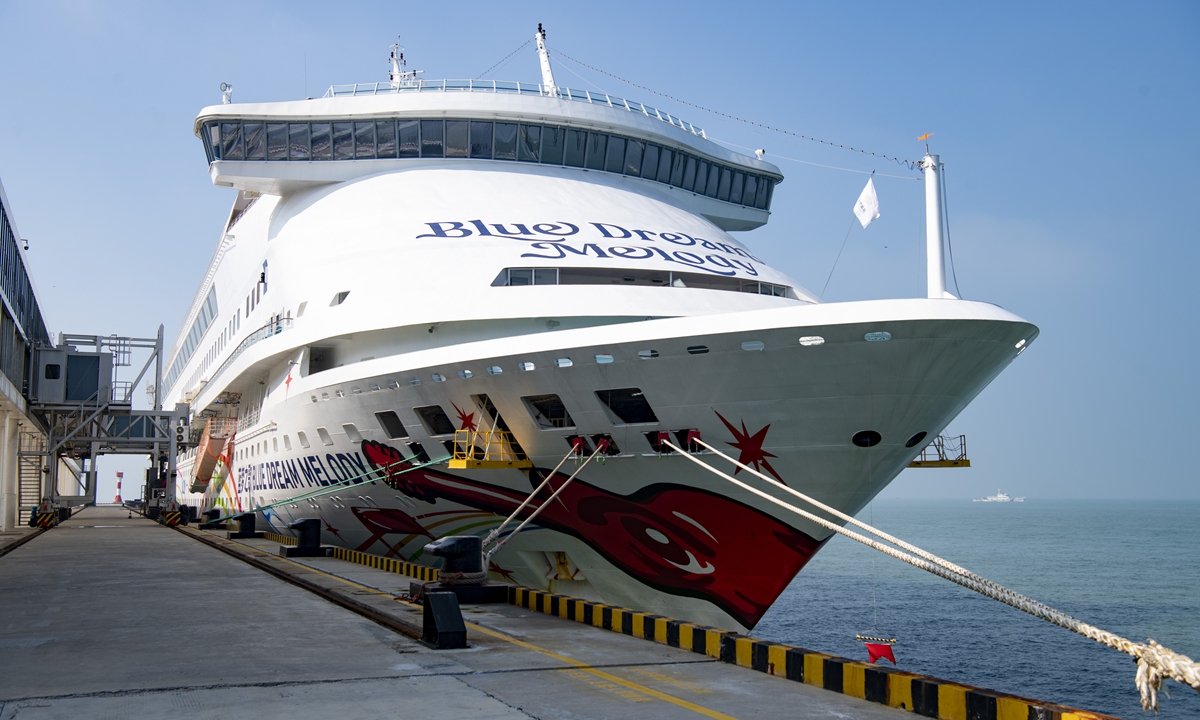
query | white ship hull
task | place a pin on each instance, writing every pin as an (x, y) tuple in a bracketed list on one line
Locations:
[(350, 292)]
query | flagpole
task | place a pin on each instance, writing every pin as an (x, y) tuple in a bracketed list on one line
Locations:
[(935, 264)]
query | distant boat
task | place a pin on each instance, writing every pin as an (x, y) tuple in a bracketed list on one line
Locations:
[(999, 497)]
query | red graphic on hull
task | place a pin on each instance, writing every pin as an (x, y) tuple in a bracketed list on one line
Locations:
[(466, 420), (385, 521), (674, 538), (750, 447)]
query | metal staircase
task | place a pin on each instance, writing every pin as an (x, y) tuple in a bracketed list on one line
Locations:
[(29, 472)]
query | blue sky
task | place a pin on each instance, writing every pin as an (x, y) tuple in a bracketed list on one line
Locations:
[(1067, 129)]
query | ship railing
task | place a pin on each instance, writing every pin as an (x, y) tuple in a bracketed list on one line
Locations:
[(516, 88), (271, 329), (486, 449)]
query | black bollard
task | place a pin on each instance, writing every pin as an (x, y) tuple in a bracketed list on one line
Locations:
[(442, 626), (308, 539), (462, 571), (246, 523)]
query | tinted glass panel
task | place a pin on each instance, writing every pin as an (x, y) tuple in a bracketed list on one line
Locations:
[(364, 139), (735, 190), (553, 143), (628, 405), (725, 183), (633, 157), (408, 139), (714, 179), (481, 140), (231, 141), (277, 141), (529, 143), (391, 424), (689, 175), (322, 148), (597, 143), (298, 141), (616, 155), (343, 141), (760, 198), (677, 169), (701, 177), (520, 276), (665, 158), (751, 189), (770, 192), (456, 138), (431, 138), (576, 147), (506, 141), (256, 141), (385, 138), (650, 162), (434, 418)]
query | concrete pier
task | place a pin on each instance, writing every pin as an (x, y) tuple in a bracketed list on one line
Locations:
[(109, 615)]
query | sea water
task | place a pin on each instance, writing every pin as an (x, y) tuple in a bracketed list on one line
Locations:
[(1130, 567)]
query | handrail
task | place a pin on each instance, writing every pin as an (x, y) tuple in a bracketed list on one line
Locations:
[(517, 88), (269, 330)]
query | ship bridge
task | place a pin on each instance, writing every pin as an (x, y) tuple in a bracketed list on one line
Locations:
[(367, 129)]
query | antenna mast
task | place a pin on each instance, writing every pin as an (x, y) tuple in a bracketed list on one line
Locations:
[(398, 75), (544, 56)]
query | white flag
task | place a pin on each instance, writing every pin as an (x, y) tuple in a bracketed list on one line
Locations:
[(867, 207)]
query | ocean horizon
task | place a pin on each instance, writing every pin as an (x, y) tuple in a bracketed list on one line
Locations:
[(1127, 566)]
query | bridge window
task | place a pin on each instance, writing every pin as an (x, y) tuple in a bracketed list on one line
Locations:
[(519, 277), (484, 140)]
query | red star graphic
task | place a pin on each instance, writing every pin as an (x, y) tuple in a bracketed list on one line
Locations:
[(288, 383), (467, 419), (506, 574), (332, 529), (750, 447)]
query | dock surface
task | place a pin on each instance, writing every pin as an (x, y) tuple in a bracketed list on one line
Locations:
[(109, 615)]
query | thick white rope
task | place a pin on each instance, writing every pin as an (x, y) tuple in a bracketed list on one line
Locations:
[(1155, 662), (491, 537), (487, 556)]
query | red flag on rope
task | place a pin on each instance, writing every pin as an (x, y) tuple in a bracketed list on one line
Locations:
[(875, 651)]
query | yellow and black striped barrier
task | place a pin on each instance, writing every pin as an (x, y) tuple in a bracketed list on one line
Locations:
[(170, 519), (281, 539), (920, 694), (45, 519), (400, 567)]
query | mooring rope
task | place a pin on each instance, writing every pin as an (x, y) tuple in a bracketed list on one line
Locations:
[(1155, 662)]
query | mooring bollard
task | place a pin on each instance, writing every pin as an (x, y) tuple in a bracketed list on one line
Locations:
[(246, 523), (308, 539), (442, 626)]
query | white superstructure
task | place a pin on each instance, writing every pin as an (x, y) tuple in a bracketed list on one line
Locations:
[(411, 258)]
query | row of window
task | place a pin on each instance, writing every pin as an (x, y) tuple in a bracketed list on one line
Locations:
[(485, 140), (14, 280), (204, 318), (516, 277)]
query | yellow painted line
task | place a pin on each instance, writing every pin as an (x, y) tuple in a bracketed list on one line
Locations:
[(679, 702)]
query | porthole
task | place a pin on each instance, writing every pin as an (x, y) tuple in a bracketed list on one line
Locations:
[(752, 345), (1020, 344), (438, 377), (915, 439), (647, 354), (465, 374), (339, 298), (604, 359), (414, 381), (866, 438), (526, 367), (811, 340), (495, 370), (697, 349), (563, 363), (877, 336)]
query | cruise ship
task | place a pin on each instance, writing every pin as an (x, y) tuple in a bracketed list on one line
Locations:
[(431, 297)]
